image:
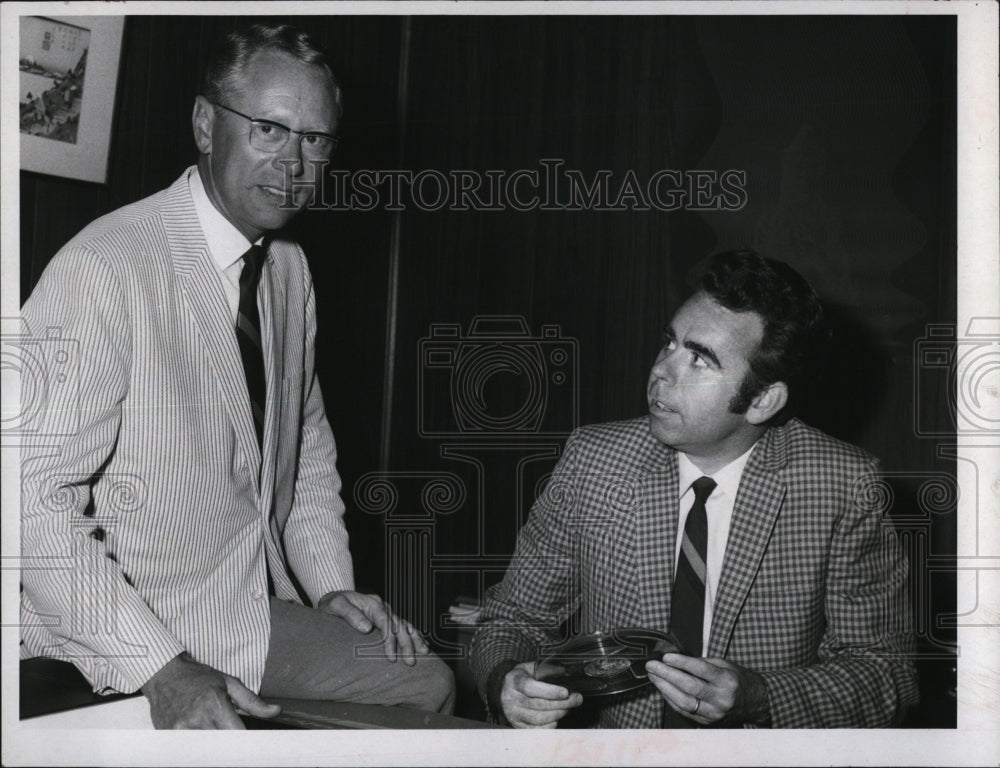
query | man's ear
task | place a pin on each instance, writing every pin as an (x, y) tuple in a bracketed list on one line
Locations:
[(768, 403), (202, 120)]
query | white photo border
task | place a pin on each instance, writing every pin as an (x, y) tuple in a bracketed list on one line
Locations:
[(975, 741)]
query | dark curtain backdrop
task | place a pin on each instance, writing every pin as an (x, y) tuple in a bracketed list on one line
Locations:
[(843, 126)]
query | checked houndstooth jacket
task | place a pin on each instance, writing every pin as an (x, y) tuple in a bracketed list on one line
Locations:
[(813, 586)]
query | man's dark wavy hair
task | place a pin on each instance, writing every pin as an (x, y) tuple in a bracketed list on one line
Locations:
[(225, 67), (794, 328)]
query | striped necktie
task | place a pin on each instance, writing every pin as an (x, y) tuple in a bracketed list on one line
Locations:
[(687, 602), (248, 336)]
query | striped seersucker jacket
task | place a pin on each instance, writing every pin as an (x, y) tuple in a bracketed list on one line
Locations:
[(146, 528)]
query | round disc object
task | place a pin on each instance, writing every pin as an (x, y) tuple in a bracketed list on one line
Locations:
[(604, 663)]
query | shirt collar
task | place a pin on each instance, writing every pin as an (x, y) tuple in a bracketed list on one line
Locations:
[(226, 244), (727, 479)]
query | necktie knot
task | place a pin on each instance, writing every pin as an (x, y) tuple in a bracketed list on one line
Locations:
[(252, 261), (703, 488)]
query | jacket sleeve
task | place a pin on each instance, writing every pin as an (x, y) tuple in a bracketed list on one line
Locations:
[(864, 676), (76, 349), (540, 590), (315, 536)]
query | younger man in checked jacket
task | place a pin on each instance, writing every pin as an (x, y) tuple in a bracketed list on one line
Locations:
[(805, 621)]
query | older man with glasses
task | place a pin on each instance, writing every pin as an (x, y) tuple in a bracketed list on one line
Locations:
[(193, 322)]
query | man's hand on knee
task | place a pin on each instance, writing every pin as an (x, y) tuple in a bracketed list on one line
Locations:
[(187, 694), (363, 612)]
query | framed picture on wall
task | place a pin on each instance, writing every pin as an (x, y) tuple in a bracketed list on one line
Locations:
[(68, 75)]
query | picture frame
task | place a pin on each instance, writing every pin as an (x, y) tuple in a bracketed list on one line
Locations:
[(68, 79)]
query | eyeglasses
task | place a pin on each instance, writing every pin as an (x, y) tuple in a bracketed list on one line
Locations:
[(269, 136)]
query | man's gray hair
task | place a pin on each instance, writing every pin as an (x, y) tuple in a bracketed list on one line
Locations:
[(226, 64)]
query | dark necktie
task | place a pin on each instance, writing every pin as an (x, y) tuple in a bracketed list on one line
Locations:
[(687, 601), (248, 336)]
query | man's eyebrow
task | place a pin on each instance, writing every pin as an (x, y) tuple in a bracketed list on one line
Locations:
[(667, 334), (703, 351), (279, 124)]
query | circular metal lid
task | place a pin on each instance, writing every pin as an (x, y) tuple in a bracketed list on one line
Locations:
[(604, 663)]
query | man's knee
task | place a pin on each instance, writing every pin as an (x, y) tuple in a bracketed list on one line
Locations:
[(436, 690)]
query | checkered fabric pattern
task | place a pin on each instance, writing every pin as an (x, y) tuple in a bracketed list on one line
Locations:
[(813, 586)]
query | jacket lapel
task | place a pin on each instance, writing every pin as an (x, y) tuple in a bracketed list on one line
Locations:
[(274, 350), (758, 503), (656, 534), (202, 294)]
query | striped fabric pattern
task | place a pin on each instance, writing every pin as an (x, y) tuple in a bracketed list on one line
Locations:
[(813, 587), (688, 598), (146, 529)]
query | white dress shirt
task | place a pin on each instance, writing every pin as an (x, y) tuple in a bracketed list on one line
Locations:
[(719, 510), (226, 245)]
